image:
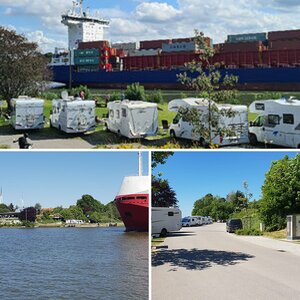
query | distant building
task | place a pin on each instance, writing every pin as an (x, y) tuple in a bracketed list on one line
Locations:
[(10, 218)]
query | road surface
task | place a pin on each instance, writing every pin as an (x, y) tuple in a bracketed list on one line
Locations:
[(208, 263)]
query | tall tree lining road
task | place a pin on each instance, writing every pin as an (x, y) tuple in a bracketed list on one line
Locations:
[(208, 263)]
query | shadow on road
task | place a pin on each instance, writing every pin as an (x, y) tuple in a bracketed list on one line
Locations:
[(196, 259), (181, 233)]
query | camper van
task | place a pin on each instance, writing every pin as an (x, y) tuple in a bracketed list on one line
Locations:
[(28, 113), (132, 119), (184, 129), (73, 115), (190, 221), (165, 220), (278, 122)]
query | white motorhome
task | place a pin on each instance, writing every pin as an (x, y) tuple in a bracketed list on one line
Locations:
[(190, 221), (28, 113), (165, 220), (278, 122), (132, 119), (238, 122), (73, 115)]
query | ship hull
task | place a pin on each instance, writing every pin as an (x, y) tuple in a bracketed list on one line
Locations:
[(134, 212), (259, 79)]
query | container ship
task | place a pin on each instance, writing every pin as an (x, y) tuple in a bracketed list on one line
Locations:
[(132, 201), (262, 61)]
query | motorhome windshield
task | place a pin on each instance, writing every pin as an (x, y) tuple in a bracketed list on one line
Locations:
[(185, 219)]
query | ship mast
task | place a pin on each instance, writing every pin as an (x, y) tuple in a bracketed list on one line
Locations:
[(140, 164)]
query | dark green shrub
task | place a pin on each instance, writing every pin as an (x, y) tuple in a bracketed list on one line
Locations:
[(155, 96), (135, 91), (80, 88)]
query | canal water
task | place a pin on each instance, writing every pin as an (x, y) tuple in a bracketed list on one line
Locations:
[(73, 263)]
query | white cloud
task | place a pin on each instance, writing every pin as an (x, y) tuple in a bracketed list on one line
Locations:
[(153, 19)]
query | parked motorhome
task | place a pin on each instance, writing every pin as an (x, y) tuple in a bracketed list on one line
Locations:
[(237, 122), (28, 113), (165, 220), (132, 119), (73, 115), (278, 122), (190, 221)]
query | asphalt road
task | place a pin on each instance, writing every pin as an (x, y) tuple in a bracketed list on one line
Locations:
[(208, 263)]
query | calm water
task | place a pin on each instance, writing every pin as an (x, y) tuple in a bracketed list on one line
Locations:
[(72, 263)]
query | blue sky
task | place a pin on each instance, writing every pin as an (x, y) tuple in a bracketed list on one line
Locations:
[(134, 20), (61, 178), (195, 174)]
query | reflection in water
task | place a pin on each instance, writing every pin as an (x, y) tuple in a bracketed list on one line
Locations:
[(71, 263)]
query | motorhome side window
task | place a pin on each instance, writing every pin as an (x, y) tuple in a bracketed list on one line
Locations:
[(111, 113), (118, 114), (288, 119), (259, 106), (176, 119), (273, 120), (124, 113), (170, 214)]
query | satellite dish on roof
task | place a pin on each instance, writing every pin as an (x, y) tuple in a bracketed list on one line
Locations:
[(64, 95)]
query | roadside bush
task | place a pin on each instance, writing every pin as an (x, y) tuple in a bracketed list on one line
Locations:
[(155, 96), (248, 231), (268, 95), (135, 91), (28, 224)]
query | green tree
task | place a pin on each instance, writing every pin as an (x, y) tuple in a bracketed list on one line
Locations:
[(73, 213), (112, 211), (4, 208), (162, 193), (160, 158), (238, 200), (205, 77), (281, 192), (135, 91), (88, 205), (23, 69)]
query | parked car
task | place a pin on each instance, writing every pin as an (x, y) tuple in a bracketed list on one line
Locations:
[(234, 224)]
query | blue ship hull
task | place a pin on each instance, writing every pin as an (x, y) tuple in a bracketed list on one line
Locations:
[(275, 79)]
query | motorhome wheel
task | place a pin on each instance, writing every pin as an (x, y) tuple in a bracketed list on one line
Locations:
[(253, 139), (164, 232), (172, 134)]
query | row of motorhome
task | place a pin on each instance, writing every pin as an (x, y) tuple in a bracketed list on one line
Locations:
[(196, 221), (278, 121)]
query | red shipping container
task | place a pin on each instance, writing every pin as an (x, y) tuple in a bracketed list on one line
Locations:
[(154, 44), (284, 35), (241, 47), (281, 44), (95, 44)]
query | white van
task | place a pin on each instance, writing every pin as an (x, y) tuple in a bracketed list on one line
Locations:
[(190, 221), (28, 113), (278, 122), (73, 115), (238, 122), (132, 119), (165, 220)]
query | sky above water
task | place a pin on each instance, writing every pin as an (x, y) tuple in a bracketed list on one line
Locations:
[(61, 178), (134, 20), (193, 175)]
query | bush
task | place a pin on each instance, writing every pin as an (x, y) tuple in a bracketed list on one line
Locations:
[(114, 96), (50, 95), (248, 231), (28, 224), (135, 91), (156, 97), (84, 88)]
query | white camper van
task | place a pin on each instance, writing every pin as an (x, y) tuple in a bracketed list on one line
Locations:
[(190, 221), (28, 113), (73, 115), (165, 220), (278, 122), (132, 119), (238, 122)]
